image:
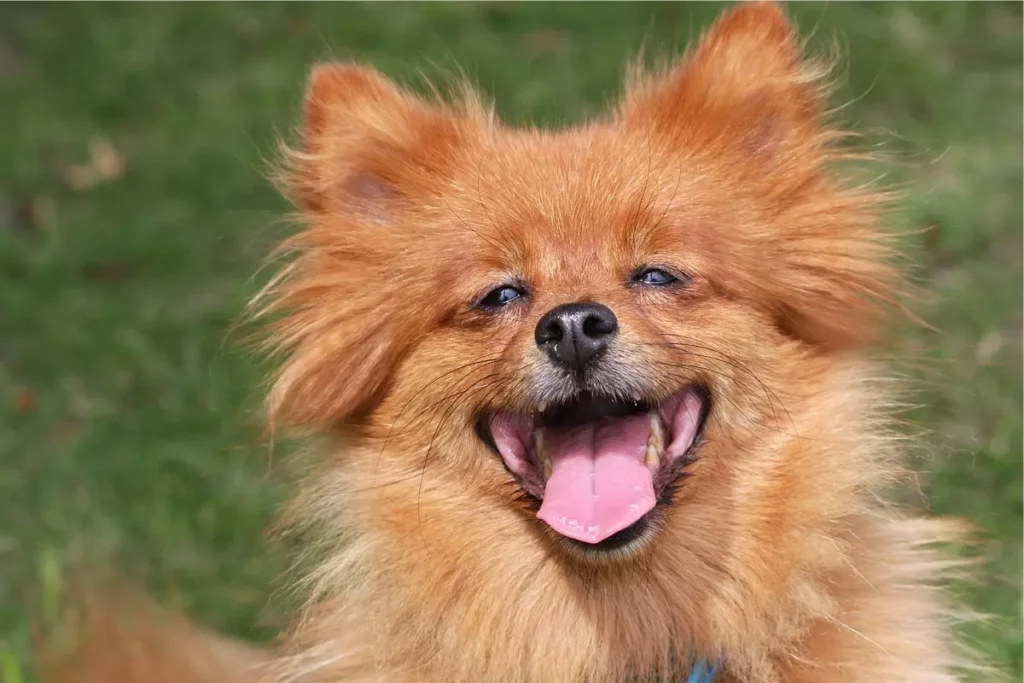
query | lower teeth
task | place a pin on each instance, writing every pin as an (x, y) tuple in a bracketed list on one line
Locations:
[(656, 437), (655, 442), (651, 457), (542, 457)]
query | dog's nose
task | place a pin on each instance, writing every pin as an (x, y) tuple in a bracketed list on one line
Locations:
[(574, 334)]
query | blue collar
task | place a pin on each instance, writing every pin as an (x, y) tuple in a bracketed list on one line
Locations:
[(702, 672)]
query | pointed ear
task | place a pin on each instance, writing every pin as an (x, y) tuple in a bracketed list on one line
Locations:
[(351, 302), (366, 141), (745, 85), (336, 93)]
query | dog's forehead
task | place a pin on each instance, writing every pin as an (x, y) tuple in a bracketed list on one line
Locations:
[(552, 205), (564, 173), (556, 188)]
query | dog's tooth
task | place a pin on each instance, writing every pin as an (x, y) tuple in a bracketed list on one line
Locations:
[(656, 437), (651, 457), (542, 457), (542, 406), (637, 398)]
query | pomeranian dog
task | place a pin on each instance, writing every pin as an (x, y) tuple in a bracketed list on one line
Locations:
[(597, 401)]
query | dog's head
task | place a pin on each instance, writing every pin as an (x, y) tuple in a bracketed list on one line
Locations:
[(595, 341)]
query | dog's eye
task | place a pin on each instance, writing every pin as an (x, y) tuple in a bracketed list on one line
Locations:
[(501, 296), (654, 276)]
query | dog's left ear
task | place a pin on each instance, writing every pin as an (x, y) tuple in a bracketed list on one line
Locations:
[(747, 102), (745, 89)]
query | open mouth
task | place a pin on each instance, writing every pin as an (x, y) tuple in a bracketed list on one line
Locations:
[(598, 466)]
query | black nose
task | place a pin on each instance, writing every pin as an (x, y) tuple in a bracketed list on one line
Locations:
[(574, 334)]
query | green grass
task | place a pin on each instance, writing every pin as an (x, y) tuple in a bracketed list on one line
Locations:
[(128, 425)]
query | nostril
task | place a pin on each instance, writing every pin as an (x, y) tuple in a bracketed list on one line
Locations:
[(550, 331), (600, 324)]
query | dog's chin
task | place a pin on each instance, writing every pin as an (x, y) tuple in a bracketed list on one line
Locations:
[(598, 472)]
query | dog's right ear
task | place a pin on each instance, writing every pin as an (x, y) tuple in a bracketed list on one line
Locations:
[(366, 142), (335, 93), (352, 300)]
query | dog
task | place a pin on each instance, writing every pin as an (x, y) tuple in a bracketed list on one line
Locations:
[(597, 403)]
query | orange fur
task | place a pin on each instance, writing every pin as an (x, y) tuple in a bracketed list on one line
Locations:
[(122, 639), (776, 554)]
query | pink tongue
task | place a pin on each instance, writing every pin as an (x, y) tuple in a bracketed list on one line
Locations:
[(599, 484)]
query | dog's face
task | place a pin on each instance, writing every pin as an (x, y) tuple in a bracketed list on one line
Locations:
[(590, 340)]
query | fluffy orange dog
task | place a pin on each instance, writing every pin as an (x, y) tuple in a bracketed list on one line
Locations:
[(597, 399)]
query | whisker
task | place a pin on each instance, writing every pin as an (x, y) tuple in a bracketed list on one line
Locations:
[(730, 400), (769, 393), (469, 367), (420, 392), (430, 446)]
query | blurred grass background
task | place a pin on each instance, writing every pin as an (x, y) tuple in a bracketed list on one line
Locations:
[(134, 212)]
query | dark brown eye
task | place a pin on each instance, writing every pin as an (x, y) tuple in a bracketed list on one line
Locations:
[(501, 296), (655, 277)]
